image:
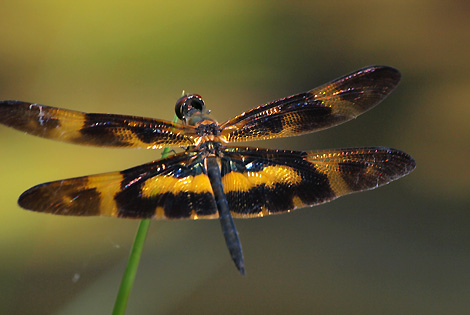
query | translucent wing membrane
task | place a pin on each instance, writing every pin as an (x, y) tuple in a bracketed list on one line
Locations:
[(256, 182), (173, 188), (323, 107), (260, 182), (94, 129)]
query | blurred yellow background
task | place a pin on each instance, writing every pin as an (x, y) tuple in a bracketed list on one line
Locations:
[(404, 248)]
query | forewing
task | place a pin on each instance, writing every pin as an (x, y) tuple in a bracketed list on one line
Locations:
[(260, 182), (94, 129), (329, 105), (173, 188)]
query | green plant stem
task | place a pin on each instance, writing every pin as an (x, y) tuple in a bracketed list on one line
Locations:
[(133, 262)]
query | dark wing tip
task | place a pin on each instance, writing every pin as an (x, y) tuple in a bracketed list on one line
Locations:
[(8, 105), (382, 68), (409, 164), (30, 199), (9, 111), (12, 102), (40, 198), (390, 74), (367, 87), (62, 198), (396, 163), (363, 169)]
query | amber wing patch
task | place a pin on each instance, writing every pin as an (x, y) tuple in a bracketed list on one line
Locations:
[(260, 182), (94, 129), (328, 105), (171, 188)]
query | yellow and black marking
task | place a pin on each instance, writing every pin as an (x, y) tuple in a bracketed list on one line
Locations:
[(360, 169), (256, 182), (181, 191), (94, 129), (172, 188), (329, 105), (259, 182)]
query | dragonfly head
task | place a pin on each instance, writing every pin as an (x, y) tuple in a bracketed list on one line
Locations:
[(189, 107)]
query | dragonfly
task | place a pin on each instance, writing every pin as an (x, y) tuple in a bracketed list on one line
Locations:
[(210, 179)]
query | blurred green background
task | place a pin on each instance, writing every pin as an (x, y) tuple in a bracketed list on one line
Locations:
[(404, 248)]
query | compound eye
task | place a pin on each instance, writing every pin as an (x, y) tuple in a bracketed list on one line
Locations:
[(188, 104), (196, 102), (179, 107)]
